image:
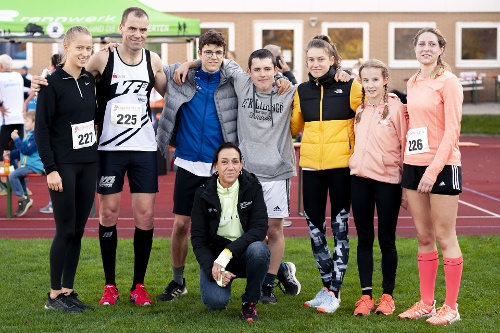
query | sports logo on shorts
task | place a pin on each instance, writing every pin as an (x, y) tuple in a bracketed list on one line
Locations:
[(106, 181), (277, 209)]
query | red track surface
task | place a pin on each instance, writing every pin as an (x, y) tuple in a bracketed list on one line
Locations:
[(479, 208)]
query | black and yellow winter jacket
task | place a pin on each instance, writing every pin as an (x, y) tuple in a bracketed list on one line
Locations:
[(324, 110)]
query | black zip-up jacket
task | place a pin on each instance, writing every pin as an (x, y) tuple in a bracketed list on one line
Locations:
[(205, 217), (65, 101)]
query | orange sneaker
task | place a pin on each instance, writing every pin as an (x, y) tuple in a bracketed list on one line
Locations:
[(385, 305), (419, 310), (444, 316), (364, 306)]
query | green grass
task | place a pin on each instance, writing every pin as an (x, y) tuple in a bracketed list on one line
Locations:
[(480, 124), (25, 277)]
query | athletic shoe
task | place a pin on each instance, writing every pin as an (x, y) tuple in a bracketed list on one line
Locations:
[(110, 295), (267, 294), (139, 296), (318, 299), (364, 306), (23, 205), (419, 310), (73, 297), (249, 312), (173, 291), (444, 316), (61, 303), (47, 209), (287, 223), (3, 192), (330, 303), (385, 305), (287, 281)]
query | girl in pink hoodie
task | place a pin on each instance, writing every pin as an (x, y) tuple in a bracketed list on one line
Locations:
[(376, 169)]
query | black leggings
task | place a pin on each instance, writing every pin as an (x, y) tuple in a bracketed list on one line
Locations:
[(317, 185), (71, 211), (366, 194)]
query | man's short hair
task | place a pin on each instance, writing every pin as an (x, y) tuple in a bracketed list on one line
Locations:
[(138, 12), (6, 61), (261, 54), (212, 37)]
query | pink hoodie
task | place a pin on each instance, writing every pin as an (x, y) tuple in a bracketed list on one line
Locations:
[(379, 146)]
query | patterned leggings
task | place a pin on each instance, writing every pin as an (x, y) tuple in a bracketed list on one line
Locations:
[(317, 186)]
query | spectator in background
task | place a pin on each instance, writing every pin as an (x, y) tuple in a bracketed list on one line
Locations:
[(11, 106), (27, 81), (29, 162), (231, 55), (281, 63)]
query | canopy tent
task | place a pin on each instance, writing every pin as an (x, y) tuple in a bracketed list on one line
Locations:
[(47, 20)]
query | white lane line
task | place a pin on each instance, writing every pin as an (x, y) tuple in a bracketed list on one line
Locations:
[(479, 208), (480, 193)]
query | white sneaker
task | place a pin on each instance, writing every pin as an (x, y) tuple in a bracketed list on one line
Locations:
[(47, 209), (287, 223), (330, 303), (318, 299)]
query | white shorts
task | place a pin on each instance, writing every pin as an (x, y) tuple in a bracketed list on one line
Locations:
[(277, 198)]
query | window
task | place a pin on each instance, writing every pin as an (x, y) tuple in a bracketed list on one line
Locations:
[(21, 53), (478, 44), (352, 40), (401, 34), (286, 34)]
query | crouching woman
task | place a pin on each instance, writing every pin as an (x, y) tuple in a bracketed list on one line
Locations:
[(229, 223)]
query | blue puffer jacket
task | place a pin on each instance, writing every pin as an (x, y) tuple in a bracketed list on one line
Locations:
[(27, 153), (226, 105)]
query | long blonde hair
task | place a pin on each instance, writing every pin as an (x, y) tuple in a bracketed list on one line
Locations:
[(374, 63), (441, 65)]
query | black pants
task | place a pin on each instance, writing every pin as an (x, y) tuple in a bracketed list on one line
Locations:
[(366, 194), (317, 185), (71, 211)]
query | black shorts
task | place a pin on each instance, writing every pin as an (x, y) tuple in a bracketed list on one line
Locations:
[(140, 166), (448, 182), (185, 187), (6, 142)]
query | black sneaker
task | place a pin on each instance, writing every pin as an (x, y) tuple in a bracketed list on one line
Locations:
[(249, 312), (73, 297), (23, 206), (267, 294), (61, 303), (287, 281), (173, 291)]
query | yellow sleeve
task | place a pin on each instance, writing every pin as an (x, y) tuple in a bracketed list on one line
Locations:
[(355, 97), (297, 120)]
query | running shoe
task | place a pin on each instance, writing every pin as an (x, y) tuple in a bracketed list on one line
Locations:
[(139, 296), (330, 303), (73, 297), (385, 305), (173, 291), (267, 294), (364, 306), (23, 205), (444, 316), (287, 281), (110, 295), (419, 310), (249, 312), (318, 299), (47, 209), (61, 303)]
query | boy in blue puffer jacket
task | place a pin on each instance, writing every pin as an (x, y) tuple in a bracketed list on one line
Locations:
[(29, 162)]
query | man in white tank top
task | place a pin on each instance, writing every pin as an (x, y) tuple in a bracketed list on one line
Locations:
[(127, 144)]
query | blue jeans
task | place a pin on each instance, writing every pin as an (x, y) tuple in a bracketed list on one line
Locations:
[(253, 265), (18, 181)]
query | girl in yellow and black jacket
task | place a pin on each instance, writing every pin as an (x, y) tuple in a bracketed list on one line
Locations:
[(324, 110)]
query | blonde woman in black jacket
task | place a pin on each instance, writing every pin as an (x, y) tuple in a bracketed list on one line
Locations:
[(229, 224)]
